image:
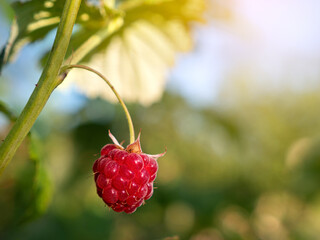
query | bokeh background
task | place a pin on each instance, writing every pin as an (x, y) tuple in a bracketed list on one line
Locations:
[(240, 117)]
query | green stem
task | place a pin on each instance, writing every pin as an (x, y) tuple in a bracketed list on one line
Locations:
[(64, 71), (47, 83)]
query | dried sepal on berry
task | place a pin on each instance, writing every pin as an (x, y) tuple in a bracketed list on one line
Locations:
[(135, 147)]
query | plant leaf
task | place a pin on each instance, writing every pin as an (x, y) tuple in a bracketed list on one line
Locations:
[(6, 111), (26, 185), (35, 19), (41, 190), (136, 55)]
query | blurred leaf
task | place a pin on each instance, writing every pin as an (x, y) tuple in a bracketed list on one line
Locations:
[(5, 110), (6, 10), (135, 54), (34, 20), (222, 162), (40, 194), (5, 51), (305, 178), (25, 188), (133, 45), (41, 189)]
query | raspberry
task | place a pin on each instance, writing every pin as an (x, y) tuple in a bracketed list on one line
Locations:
[(124, 176)]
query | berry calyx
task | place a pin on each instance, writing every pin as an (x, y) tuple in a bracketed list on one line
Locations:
[(124, 177)]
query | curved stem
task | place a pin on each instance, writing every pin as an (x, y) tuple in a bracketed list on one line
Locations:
[(125, 109), (47, 83)]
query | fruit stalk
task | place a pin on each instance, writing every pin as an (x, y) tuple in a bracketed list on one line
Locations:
[(48, 81), (64, 72)]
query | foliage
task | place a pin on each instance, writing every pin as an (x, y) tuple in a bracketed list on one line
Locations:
[(25, 188), (131, 42), (33, 21), (228, 173)]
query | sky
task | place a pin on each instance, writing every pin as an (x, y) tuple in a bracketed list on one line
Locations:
[(275, 44)]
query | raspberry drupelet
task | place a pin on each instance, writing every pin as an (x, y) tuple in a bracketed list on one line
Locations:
[(124, 176)]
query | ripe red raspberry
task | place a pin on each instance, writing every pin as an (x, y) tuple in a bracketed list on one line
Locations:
[(124, 176)]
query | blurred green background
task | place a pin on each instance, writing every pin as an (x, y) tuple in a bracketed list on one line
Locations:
[(240, 118)]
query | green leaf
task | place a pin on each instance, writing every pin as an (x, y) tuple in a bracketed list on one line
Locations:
[(6, 111), (25, 189), (136, 53), (133, 45), (6, 10), (41, 190), (35, 19), (32, 22), (25, 185)]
